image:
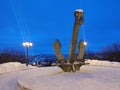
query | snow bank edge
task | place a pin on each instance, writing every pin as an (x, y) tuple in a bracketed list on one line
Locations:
[(21, 87)]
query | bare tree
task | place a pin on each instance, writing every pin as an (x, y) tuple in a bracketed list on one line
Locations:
[(8, 55), (111, 52)]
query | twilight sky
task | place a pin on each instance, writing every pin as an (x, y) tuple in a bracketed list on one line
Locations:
[(44, 21)]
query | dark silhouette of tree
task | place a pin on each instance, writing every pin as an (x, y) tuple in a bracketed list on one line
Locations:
[(111, 52), (89, 55), (8, 55), (92, 55)]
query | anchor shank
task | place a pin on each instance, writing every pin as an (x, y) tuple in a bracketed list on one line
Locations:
[(73, 44), (78, 20)]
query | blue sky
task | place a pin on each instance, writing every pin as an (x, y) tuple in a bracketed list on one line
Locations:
[(44, 21)]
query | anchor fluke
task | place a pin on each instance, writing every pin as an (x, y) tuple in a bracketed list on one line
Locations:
[(81, 47), (60, 57)]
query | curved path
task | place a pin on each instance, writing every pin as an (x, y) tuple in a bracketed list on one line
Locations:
[(52, 78)]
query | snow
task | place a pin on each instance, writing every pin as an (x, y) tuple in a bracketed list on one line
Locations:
[(98, 75), (103, 63), (89, 78), (78, 10), (13, 66)]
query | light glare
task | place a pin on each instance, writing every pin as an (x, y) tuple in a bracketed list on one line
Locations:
[(27, 44), (85, 43)]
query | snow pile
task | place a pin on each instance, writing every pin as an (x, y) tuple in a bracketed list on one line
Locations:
[(13, 66), (103, 63), (89, 78)]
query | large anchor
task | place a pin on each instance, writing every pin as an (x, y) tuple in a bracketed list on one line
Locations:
[(74, 63)]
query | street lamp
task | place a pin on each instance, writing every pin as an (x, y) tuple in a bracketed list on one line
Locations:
[(27, 45)]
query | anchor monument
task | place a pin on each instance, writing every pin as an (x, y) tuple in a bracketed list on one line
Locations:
[(74, 63)]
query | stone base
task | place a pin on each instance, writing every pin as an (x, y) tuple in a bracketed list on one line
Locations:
[(68, 67)]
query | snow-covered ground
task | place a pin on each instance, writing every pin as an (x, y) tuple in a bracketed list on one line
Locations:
[(90, 77), (13, 66), (103, 63)]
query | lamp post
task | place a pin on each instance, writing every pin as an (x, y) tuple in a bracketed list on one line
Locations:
[(27, 45)]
